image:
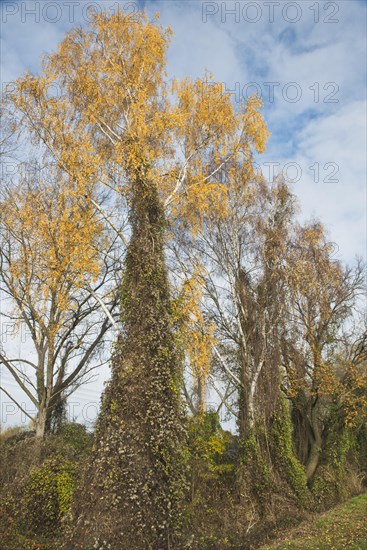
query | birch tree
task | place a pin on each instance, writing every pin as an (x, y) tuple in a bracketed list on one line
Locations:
[(51, 267), (244, 277)]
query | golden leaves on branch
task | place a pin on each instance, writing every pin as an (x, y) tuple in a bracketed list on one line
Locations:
[(56, 236), (255, 126), (196, 332)]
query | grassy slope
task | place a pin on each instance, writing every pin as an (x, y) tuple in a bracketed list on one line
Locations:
[(343, 527)]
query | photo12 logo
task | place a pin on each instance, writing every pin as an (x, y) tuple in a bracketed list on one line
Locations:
[(292, 172), (53, 12), (271, 12), (85, 412), (290, 92)]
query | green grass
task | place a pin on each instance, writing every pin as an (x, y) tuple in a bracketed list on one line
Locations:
[(343, 527)]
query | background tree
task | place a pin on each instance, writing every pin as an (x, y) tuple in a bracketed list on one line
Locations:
[(243, 274), (323, 297), (52, 266)]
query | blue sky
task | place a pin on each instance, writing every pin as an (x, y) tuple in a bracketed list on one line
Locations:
[(312, 55)]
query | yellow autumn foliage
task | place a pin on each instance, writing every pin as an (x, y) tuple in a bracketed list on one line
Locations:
[(197, 333), (56, 235), (104, 108)]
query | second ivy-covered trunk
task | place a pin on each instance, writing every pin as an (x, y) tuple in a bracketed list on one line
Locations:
[(133, 490)]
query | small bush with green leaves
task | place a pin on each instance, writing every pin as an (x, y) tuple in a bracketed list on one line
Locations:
[(209, 443), (48, 494)]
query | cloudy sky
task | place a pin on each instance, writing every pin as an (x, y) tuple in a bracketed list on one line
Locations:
[(306, 58)]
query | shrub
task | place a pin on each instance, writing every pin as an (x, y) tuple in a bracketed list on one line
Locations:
[(48, 495)]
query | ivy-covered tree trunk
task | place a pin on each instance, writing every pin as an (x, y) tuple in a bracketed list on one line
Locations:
[(56, 414), (133, 488)]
